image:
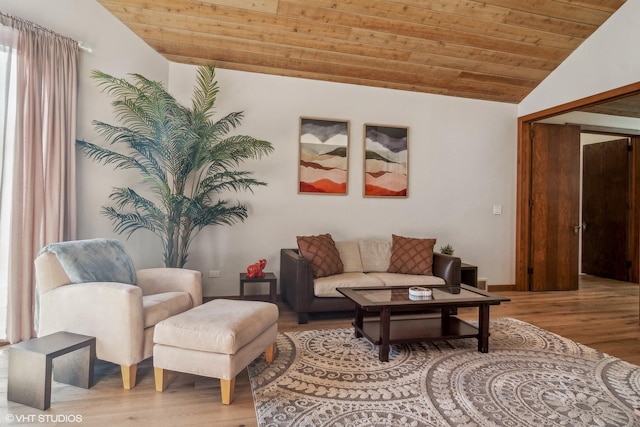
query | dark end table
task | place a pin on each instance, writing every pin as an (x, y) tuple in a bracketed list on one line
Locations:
[(268, 278), (469, 274), (31, 365)]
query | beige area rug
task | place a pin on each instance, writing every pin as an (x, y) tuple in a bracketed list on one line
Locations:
[(530, 377)]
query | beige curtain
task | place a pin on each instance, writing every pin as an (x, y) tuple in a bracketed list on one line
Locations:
[(43, 203)]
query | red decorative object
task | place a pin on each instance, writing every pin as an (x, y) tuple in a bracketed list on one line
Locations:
[(255, 270)]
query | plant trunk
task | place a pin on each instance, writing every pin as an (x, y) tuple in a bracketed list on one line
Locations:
[(172, 246)]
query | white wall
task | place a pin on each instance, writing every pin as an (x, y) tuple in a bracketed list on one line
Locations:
[(462, 159), (462, 162), (610, 58), (118, 51)]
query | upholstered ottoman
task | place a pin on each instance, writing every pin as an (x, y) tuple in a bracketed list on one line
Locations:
[(217, 339)]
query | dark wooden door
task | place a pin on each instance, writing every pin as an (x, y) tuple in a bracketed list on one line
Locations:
[(555, 207), (605, 201), (634, 210)]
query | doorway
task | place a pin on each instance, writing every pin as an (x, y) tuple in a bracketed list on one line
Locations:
[(525, 273), (605, 200)]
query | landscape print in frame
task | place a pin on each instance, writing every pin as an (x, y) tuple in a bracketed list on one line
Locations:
[(386, 161), (323, 164)]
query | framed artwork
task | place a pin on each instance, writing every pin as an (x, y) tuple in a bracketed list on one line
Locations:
[(323, 160), (386, 161)]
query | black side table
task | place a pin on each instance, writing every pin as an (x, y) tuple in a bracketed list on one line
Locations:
[(268, 278), (31, 366), (469, 275)]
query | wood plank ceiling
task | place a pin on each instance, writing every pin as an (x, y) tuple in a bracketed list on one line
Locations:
[(495, 50)]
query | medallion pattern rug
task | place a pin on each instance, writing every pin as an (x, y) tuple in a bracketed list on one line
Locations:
[(530, 377)]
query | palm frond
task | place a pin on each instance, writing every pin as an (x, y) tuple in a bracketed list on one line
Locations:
[(216, 131), (226, 181), (129, 198), (231, 151), (205, 91), (113, 86), (183, 156), (105, 156), (143, 149), (128, 223), (221, 213)]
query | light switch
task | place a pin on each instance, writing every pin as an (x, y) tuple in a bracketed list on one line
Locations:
[(497, 209)]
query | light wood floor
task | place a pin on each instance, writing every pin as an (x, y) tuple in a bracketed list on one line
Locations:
[(603, 314)]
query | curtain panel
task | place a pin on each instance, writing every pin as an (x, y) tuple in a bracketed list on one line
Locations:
[(43, 203)]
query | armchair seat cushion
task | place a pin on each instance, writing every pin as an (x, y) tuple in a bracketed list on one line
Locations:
[(158, 307)]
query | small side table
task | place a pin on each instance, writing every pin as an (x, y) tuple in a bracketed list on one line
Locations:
[(31, 365), (268, 278), (469, 274)]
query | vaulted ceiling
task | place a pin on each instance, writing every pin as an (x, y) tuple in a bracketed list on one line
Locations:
[(495, 50)]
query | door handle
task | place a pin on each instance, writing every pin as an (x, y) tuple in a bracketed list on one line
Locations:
[(576, 228)]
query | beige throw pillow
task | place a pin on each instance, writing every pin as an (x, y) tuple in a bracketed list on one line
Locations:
[(375, 255), (350, 256)]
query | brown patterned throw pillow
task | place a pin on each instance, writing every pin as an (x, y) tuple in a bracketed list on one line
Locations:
[(411, 256), (322, 254)]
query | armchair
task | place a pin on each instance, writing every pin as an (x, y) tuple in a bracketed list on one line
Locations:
[(91, 287)]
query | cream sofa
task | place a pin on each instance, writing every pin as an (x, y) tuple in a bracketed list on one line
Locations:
[(91, 287), (365, 264)]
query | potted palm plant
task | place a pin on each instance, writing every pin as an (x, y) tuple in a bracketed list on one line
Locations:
[(447, 249), (184, 156)]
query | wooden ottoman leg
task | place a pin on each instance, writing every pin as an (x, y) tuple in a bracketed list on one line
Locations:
[(160, 376), (227, 387), (270, 352)]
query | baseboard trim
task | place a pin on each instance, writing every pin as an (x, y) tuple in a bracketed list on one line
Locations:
[(503, 288)]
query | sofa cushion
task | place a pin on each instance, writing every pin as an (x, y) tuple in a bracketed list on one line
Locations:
[(350, 256), (158, 307), (375, 255), (326, 286), (397, 279), (411, 255), (322, 254)]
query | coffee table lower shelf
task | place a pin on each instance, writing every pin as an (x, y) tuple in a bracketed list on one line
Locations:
[(417, 330)]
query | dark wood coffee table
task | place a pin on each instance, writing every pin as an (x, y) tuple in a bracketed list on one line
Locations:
[(383, 302)]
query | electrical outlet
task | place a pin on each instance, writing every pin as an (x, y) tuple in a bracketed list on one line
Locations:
[(214, 273), (497, 209)]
